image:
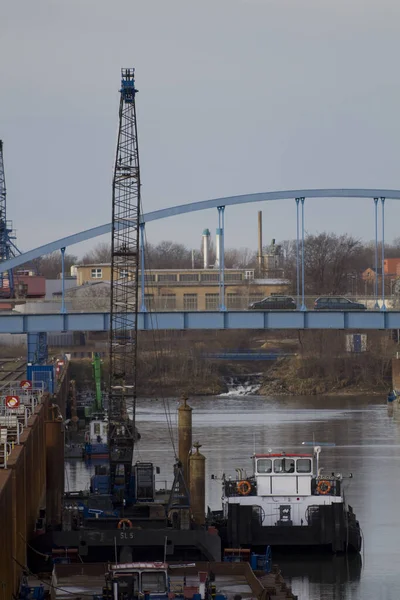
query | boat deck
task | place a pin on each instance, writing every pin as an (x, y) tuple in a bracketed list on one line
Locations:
[(82, 580), (228, 585)]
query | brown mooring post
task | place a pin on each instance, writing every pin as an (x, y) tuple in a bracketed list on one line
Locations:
[(185, 437), (197, 463), (54, 435)]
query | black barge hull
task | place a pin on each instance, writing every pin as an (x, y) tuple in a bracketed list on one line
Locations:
[(136, 544), (333, 527)]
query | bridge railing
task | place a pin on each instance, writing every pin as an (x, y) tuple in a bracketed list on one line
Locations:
[(187, 302)]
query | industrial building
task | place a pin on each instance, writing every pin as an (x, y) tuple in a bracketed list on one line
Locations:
[(181, 289), (194, 289)]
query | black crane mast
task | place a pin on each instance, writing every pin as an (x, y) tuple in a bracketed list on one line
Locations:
[(126, 208), (6, 236)]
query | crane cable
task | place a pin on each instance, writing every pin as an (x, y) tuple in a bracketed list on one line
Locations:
[(158, 351)]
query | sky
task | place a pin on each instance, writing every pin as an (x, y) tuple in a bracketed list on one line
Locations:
[(235, 97)]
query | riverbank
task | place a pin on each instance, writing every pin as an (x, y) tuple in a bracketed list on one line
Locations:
[(172, 376), (317, 363), (301, 376)]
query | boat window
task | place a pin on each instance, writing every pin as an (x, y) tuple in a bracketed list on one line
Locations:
[(258, 514), (284, 465), (154, 581), (129, 584), (303, 465), (264, 465)]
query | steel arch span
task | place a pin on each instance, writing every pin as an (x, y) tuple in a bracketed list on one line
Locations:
[(182, 209)]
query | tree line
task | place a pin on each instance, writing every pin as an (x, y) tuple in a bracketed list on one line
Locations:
[(333, 263)]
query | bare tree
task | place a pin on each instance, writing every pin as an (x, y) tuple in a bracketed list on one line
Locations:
[(328, 259), (93, 297), (50, 265), (240, 258), (167, 255), (99, 254)]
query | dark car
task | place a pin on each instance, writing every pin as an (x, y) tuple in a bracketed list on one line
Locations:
[(274, 303), (337, 303)]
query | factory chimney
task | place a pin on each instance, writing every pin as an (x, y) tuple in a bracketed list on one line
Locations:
[(260, 254), (206, 248)]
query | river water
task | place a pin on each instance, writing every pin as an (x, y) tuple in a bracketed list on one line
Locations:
[(367, 442)]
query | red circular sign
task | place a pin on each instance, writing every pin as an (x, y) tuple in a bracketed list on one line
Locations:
[(25, 384), (12, 401)]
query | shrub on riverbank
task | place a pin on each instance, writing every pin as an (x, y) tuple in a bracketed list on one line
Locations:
[(323, 365)]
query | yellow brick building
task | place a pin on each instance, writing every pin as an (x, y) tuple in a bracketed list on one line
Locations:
[(192, 289)]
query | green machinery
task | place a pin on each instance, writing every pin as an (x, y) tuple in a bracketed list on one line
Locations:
[(96, 363)]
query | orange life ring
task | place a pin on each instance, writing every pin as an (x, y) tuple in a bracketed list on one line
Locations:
[(324, 487), (244, 488), (123, 522)]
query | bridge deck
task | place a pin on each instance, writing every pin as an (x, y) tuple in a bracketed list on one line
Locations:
[(99, 321)]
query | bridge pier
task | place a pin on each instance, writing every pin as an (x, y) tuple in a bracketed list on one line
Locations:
[(221, 256)]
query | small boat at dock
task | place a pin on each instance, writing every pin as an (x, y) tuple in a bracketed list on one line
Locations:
[(287, 501)]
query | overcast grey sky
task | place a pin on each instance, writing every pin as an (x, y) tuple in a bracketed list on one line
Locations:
[(236, 96)]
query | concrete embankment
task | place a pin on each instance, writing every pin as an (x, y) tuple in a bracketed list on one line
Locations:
[(31, 485)]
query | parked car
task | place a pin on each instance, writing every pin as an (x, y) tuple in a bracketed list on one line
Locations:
[(337, 303), (274, 303)]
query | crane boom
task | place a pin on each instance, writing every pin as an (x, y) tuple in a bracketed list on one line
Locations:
[(124, 288)]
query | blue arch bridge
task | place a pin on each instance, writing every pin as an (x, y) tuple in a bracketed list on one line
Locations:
[(379, 317)]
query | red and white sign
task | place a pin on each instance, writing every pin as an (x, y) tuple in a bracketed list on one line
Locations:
[(25, 384), (59, 366), (12, 401)]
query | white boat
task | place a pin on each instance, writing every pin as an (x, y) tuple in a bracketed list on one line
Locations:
[(288, 502)]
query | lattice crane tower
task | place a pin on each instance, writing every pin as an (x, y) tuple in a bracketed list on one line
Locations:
[(6, 235), (126, 208)]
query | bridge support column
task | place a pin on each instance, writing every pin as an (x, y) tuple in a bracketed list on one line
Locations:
[(376, 253), (221, 226), (297, 254), (303, 304), (37, 348), (63, 309), (383, 307), (142, 279)]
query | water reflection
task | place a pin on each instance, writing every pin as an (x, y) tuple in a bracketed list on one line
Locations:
[(315, 577), (367, 444)]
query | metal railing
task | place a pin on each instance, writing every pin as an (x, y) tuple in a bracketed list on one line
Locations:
[(14, 420), (12, 424), (5, 449), (30, 397), (196, 302)]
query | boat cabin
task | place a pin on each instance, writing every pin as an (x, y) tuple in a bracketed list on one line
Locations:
[(142, 579), (283, 474), (98, 429)]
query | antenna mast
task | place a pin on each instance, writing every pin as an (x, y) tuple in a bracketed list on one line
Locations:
[(124, 288)]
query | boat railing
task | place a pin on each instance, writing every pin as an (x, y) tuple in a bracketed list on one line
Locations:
[(5, 448), (5, 451), (22, 413), (12, 424), (28, 397), (326, 486)]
